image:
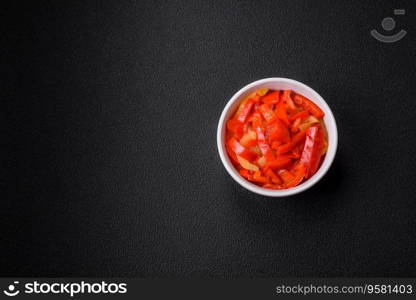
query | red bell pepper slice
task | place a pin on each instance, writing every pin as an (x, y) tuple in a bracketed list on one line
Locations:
[(263, 145), (236, 127), (284, 148), (302, 115), (295, 125), (232, 155), (249, 139), (258, 178), (286, 175), (281, 112), (297, 151), (273, 177), (276, 144), (281, 161), (246, 174), (298, 175), (245, 111), (288, 99), (277, 131), (256, 120), (267, 113), (271, 98), (297, 138), (311, 154), (309, 106), (240, 150)]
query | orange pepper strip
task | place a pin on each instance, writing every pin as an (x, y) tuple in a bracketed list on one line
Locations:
[(309, 106), (241, 150)]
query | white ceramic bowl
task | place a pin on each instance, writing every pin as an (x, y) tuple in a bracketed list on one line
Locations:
[(278, 84)]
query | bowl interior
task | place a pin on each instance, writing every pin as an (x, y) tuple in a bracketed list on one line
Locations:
[(278, 84)]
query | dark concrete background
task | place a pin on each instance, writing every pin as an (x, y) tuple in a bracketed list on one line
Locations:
[(109, 115)]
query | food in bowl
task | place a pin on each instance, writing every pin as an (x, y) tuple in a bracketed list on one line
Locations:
[(276, 139)]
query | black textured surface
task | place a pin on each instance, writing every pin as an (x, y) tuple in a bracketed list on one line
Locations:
[(109, 164)]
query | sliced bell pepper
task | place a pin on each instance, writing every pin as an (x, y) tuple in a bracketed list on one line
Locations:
[(276, 144), (275, 141), (240, 150), (309, 106), (272, 98), (286, 176), (236, 127), (273, 177), (249, 139), (245, 111), (297, 151), (267, 113), (312, 151), (308, 122), (259, 178), (263, 145), (255, 149), (295, 125), (280, 162), (324, 146), (231, 154), (284, 148), (277, 131), (256, 120), (299, 173), (302, 115), (297, 138), (288, 99), (261, 161), (246, 164), (246, 174), (281, 112), (262, 92)]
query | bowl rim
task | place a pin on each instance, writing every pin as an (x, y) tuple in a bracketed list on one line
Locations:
[(323, 169)]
